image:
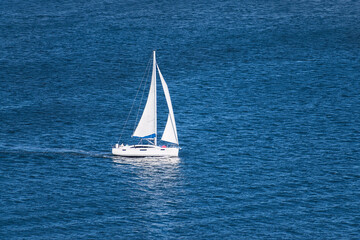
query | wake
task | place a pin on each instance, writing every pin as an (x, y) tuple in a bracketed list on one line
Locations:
[(25, 149)]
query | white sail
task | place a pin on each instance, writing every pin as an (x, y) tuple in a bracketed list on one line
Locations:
[(170, 133), (147, 124)]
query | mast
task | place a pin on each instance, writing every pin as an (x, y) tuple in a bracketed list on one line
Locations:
[(155, 112)]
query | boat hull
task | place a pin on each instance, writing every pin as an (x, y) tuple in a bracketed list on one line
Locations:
[(145, 151)]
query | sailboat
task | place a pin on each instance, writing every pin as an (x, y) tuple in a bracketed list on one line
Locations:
[(146, 129)]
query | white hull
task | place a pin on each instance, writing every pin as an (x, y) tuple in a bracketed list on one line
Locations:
[(145, 151)]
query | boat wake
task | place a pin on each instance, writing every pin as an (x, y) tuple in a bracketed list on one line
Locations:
[(21, 149)]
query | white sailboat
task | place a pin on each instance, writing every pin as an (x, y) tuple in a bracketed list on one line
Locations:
[(147, 126)]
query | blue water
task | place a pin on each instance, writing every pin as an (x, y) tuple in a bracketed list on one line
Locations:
[(266, 99)]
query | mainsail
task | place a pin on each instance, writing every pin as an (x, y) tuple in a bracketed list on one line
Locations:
[(170, 133)]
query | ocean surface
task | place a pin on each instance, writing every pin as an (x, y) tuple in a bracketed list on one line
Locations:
[(266, 96)]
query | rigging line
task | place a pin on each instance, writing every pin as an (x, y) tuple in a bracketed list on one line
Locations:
[(132, 105), (142, 96)]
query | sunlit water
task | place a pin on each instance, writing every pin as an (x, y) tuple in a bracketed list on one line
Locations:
[(266, 100)]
